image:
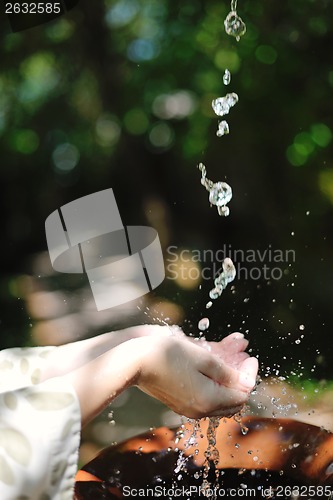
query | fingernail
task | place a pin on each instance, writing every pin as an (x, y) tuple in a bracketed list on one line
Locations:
[(239, 336), (247, 380)]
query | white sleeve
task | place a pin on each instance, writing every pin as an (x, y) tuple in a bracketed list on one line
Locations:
[(21, 366), (39, 440), (40, 426)]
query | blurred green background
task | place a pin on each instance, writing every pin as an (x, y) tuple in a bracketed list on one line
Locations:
[(118, 94)]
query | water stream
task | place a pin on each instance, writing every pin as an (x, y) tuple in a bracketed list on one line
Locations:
[(220, 194)]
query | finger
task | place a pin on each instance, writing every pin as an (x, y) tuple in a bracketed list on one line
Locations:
[(212, 398), (235, 342), (232, 336), (227, 347), (222, 374), (242, 379), (236, 360), (232, 358)]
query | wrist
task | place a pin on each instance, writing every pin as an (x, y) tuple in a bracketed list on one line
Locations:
[(106, 377)]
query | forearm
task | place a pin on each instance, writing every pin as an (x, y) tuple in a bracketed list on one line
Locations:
[(101, 380), (69, 357)]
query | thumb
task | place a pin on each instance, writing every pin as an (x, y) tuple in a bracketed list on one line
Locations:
[(242, 379)]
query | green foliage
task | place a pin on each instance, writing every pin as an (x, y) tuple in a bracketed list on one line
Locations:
[(118, 94)]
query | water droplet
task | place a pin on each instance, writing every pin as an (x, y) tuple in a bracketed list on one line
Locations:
[(111, 418), (234, 25), (229, 269), (203, 324), (307, 213), (202, 168), (297, 341), (223, 211), (223, 129), (226, 77), (214, 294), (222, 105), (220, 194), (221, 281), (301, 327)]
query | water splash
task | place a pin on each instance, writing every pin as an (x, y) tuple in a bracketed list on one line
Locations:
[(191, 441), (220, 193), (233, 24)]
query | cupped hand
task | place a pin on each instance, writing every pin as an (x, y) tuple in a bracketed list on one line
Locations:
[(196, 381)]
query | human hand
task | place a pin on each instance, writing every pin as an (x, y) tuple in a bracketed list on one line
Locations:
[(194, 381), (231, 349)]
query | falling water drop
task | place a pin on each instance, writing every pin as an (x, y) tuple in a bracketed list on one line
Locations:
[(220, 193), (203, 324), (229, 269), (234, 25), (224, 211), (226, 77), (227, 275), (214, 294), (222, 105), (223, 129)]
